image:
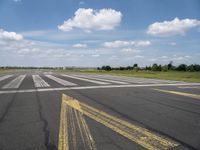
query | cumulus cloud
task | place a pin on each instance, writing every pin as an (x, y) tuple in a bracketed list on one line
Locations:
[(173, 27), (80, 45), (119, 44), (142, 43), (95, 55), (89, 19), (139, 56), (130, 50), (163, 57), (5, 35)]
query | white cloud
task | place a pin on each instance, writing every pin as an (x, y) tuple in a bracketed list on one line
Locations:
[(139, 56), (163, 57), (142, 43), (180, 58), (153, 59), (17, 0), (187, 56), (5, 35), (81, 3), (130, 50), (118, 44), (89, 19), (95, 55), (173, 27), (172, 43), (80, 45)]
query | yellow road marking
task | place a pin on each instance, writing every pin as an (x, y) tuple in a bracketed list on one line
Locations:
[(180, 93), (63, 130), (139, 135), (69, 118)]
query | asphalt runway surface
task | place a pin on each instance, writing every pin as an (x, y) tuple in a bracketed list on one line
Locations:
[(43, 110)]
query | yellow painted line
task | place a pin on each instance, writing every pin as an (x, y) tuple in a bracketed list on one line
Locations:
[(86, 134), (196, 96), (68, 131), (137, 134), (63, 130)]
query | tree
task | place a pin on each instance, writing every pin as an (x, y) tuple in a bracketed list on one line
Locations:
[(159, 68), (108, 68), (196, 67), (190, 68), (165, 68), (182, 67), (148, 68), (121, 68), (103, 67), (129, 68), (170, 66), (154, 67), (135, 65)]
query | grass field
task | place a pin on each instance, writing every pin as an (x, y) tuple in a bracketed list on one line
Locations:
[(7, 70), (169, 75)]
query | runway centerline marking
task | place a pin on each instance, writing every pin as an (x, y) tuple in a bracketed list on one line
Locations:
[(135, 133), (195, 96), (91, 87)]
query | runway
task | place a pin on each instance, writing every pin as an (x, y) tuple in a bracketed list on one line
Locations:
[(57, 110)]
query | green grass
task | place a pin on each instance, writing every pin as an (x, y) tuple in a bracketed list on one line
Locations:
[(169, 75), (6, 70)]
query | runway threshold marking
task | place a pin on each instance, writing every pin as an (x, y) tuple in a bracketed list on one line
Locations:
[(15, 83), (135, 133), (84, 79), (91, 87), (195, 96), (100, 79), (72, 123), (60, 81), (5, 77), (39, 82)]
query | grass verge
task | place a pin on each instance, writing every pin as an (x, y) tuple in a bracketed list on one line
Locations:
[(169, 75)]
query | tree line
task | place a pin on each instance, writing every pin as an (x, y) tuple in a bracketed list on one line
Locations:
[(156, 67)]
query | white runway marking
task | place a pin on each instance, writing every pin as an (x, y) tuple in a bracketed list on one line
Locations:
[(39, 82), (97, 87), (100, 79), (84, 79), (126, 79), (136, 80), (15, 83), (189, 87), (61, 81), (5, 77)]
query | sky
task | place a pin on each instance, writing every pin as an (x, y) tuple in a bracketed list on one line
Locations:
[(93, 33)]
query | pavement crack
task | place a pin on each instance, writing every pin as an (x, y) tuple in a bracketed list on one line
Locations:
[(47, 142)]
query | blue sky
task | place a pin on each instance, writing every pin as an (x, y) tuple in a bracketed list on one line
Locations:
[(92, 33)]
